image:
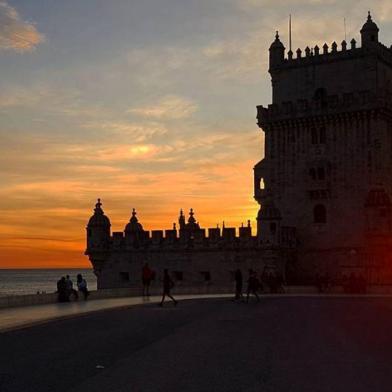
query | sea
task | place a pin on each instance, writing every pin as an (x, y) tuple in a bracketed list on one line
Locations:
[(31, 281)]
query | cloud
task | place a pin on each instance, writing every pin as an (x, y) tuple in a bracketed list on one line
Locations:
[(171, 107), (139, 132), (15, 33)]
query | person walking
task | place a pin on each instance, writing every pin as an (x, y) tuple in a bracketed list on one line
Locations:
[(82, 285), (168, 284), (253, 284), (238, 284), (147, 275)]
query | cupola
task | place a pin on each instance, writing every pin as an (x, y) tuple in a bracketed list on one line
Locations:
[(98, 229), (369, 32), (133, 225), (276, 52), (99, 219)]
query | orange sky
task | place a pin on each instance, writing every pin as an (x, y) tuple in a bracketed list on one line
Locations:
[(147, 105), (54, 236)]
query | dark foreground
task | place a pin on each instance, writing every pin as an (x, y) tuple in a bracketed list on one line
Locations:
[(281, 344)]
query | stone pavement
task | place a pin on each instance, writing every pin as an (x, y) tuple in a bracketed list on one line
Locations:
[(18, 317), (286, 343)]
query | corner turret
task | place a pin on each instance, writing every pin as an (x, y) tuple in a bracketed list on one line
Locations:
[(276, 50), (98, 229), (369, 33)]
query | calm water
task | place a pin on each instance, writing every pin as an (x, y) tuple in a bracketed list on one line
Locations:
[(29, 281)]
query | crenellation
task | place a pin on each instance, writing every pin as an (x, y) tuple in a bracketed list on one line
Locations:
[(331, 105)]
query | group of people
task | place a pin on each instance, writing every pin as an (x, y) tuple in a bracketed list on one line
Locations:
[(66, 291), (274, 281), (255, 285)]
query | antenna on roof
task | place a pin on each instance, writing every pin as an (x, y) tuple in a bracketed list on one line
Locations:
[(345, 30), (290, 43)]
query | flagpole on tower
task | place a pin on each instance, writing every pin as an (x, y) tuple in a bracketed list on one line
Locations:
[(290, 43)]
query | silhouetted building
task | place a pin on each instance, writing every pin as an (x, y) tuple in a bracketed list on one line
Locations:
[(194, 257), (324, 184), (327, 170)]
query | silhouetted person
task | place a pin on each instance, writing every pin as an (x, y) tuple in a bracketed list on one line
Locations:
[(253, 284), (168, 284), (62, 290), (70, 289), (147, 275), (82, 285), (238, 284)]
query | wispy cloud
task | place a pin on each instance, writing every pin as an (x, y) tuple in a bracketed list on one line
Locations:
[(16, 33), (169, 107)]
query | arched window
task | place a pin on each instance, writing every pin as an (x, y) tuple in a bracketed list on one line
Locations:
[(319, 214), (273, 228)]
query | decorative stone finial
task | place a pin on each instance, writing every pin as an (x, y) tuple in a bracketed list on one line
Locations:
[(98, 207)]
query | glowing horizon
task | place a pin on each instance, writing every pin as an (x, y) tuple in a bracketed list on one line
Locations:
[(147, 110)]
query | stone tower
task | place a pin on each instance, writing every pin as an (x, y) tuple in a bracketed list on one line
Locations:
[(328, 147)]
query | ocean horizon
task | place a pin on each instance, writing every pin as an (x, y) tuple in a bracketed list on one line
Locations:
[(20, 281)]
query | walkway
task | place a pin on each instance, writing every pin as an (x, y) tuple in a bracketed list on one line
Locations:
[(13, 318), (295, 344)]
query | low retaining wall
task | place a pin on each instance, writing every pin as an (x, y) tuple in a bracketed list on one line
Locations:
[(41, 299)]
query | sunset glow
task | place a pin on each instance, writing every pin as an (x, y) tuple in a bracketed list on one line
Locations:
[(143, 108)]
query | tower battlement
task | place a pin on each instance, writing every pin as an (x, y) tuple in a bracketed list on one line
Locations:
[(189, 236), (336, 68), (326, 54), (322, 105)]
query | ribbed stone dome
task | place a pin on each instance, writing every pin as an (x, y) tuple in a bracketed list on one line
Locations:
[(99, 219), (133, 224), (369, 26), (277, 44)]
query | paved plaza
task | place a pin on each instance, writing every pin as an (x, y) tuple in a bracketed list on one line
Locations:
[(281, 344)]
